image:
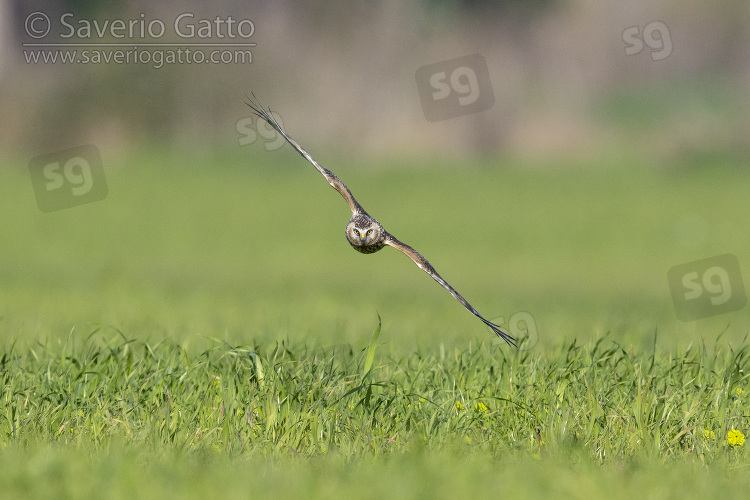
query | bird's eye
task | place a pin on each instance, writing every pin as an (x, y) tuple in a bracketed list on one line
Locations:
[(369, 231), (356, 233)]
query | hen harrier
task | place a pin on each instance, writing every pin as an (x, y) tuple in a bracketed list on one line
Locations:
[(364, 233)]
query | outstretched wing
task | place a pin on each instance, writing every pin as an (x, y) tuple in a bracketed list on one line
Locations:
[(334, 181), (427, 267)]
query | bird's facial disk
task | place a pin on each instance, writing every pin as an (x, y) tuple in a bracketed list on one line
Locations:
[(364, 236)]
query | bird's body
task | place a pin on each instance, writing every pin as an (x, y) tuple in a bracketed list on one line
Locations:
[(367, 235)]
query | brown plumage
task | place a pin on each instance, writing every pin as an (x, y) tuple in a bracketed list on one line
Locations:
[(364, 233)]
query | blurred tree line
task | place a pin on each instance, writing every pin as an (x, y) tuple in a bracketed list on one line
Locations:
[(343, 73)]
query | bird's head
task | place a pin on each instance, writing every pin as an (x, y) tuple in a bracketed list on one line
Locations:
[(364, 233)]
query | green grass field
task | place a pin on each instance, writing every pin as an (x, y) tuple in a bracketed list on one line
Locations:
[(205, 330)]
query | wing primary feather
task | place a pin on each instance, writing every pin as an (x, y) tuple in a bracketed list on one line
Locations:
[(424, 265), (333, 180)]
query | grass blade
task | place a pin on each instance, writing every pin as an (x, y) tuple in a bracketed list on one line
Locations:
[(371, 350)]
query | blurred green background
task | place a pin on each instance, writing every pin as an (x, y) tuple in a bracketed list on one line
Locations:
[(592, 175)]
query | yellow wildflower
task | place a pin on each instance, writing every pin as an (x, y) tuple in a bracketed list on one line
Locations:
[(735, 438), (709, 434), (459, 405), (739, 391), (480, 407)]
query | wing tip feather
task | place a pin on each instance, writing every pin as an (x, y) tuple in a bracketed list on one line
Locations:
[(496, 328)]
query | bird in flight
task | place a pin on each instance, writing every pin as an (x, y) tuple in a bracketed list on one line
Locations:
[(364, 233)]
